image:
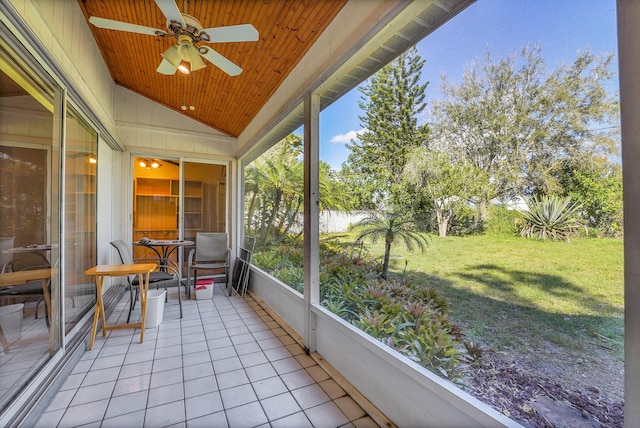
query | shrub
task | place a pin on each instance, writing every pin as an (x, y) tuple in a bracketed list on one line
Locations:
[(465, 222), (502, 220)]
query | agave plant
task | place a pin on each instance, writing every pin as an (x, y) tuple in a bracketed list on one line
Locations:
[(551, 217)]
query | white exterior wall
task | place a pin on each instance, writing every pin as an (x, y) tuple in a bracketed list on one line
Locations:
[(142, 124)]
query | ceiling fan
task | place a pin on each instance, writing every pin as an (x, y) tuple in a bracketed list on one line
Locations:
[(188, 31)]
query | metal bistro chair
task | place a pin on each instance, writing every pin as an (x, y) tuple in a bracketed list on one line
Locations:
[(211, 253), (165, 277)]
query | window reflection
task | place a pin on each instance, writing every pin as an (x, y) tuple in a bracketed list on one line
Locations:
[(29, 219)]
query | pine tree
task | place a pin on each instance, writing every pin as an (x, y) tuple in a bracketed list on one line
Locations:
[(391, 102)]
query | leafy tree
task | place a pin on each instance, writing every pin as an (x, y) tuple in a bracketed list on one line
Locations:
[(517, 123), (392, 227), (598, 187), (447, 185), (392, 100)]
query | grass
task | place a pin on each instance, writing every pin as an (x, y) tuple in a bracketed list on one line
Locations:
[(521, 295)]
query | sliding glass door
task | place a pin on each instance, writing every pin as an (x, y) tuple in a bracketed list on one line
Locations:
[(176, 199), (30, 147)]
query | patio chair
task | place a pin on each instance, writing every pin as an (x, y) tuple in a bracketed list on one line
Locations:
[(211, 253), (165, 277)]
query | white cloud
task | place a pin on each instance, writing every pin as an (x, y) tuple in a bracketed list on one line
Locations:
[(347, 137)]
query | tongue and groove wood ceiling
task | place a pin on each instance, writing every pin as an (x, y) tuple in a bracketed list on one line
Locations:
[(286, 28)]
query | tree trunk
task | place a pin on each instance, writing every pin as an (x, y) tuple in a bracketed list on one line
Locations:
[(443, 220), (443, 226), (385, 262), (483, 209)]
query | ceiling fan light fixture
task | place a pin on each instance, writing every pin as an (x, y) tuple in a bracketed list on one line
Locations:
[(194, 58), (184, 68), (188, 31), (172, 55)]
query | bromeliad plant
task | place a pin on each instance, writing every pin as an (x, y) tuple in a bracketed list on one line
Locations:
[(552, 217), (411, 319)]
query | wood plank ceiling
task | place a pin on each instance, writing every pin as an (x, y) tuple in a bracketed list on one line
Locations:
[(287, 29)]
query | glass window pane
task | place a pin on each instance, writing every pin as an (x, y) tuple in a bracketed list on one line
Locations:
[(205, 190), (80, 217), (155, 204)]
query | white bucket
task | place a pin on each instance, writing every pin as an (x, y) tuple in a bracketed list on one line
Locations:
[(11, 321), (155, 308), (204, 289)]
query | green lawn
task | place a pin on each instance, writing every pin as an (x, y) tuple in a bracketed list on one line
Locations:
[(521, 295)]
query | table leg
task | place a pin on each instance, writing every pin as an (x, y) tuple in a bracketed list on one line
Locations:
[(3, 342), (144, 288), (52, 322), (99, 312)]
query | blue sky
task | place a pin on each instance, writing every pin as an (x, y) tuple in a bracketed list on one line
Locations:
[(561, 27)]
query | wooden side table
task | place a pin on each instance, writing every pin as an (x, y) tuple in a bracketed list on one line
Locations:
[(100, 272)]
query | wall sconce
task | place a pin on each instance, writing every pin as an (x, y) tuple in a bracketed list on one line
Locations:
[(149, 163)]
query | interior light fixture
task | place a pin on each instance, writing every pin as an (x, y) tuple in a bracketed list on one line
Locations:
[(92, 159), (149, 163)]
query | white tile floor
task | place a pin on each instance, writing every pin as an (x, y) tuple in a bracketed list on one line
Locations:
[(225, 363)]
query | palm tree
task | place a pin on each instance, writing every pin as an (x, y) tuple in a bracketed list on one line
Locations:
[(274, 192), (391, 226)]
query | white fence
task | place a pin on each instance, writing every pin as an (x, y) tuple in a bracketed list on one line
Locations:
[(339, 221)]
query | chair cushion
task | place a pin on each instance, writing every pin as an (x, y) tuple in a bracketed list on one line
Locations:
[(214, 265), (30, 288), (154, 277)]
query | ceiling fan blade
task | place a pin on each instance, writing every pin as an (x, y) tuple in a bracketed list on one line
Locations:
[(170, 11), (232, 33), (166, 68), (110, 24), (194, 59), (221, 62)]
